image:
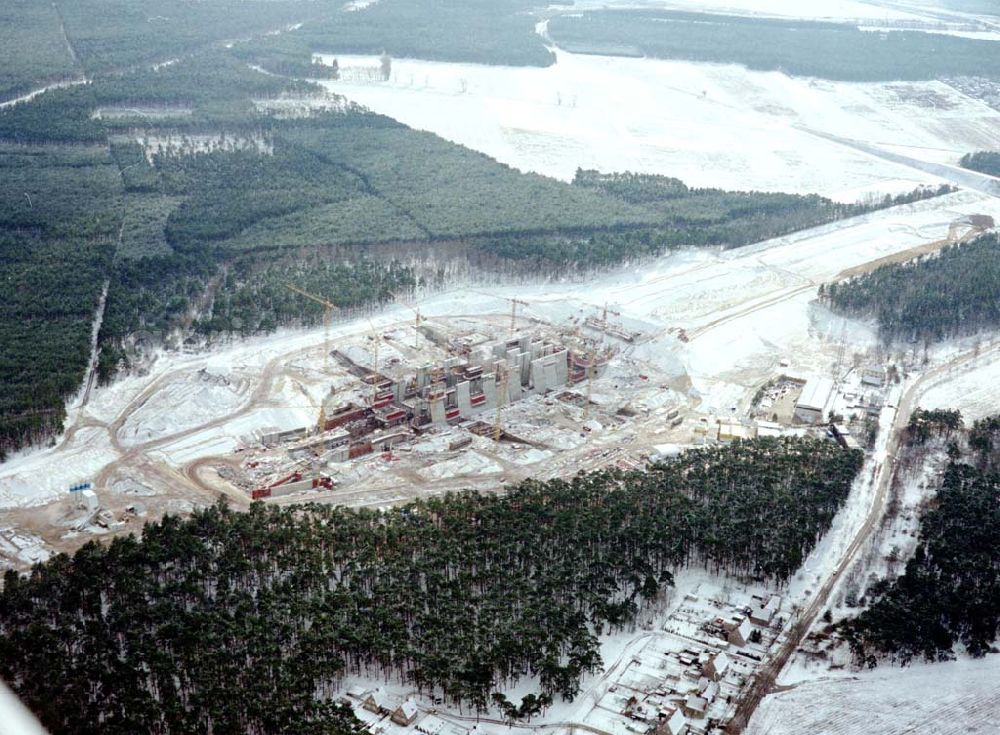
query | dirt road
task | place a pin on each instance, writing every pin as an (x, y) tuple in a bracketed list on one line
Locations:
[(884, 469)]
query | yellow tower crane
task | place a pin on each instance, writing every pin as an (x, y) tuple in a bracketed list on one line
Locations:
[(328, 309)]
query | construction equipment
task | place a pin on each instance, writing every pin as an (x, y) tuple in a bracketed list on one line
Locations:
[(604, 316), (503, 374), (514, 303), (328, 309), (417, 321), (513, 312)]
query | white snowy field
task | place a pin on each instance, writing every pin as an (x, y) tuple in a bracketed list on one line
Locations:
[(974, 391), (814, 9), (711, 125), (943, 699)]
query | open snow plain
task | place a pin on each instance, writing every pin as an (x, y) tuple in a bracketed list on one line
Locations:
[(711, 125), (944, 699)]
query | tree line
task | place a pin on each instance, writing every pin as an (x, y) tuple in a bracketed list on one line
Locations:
[(986, 162), (953, 293), (949, 595), (248, 621), (838, 51)]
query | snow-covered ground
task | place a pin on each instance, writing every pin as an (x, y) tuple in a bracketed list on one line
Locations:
[(944, 698), (744, 311), (707, 124), (975, 392), (813, 10)]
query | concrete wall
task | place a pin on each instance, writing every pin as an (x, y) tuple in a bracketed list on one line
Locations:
[(463, 397), (437, 411)]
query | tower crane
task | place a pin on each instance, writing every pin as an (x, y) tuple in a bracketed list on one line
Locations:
[(514, 303), (419, 318), (328, 309), (513, 312)]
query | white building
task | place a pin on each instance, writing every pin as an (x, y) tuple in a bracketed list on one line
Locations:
[(812, 404)]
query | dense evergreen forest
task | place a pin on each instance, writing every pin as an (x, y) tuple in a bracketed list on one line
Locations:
[(806, 48), (42, 42), (951, 294), (33, 50), (476, 31), (949, 595), (246, 622), (986, 162), (59, 215)]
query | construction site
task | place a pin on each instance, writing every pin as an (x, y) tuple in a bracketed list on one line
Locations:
[(432, 400)]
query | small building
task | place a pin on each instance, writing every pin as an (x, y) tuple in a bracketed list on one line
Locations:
[(717, 666), (760, 615), (695, 706), (774, 604), (739, 634), (874, 376), (710, 692), (811, 406), (661, 452), (763, 614), (674, 724), (732, 430), (376, 702), (406, 713), (357, 692), (768, 428)]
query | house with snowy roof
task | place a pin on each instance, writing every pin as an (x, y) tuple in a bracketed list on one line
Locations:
[(716, 667), (406, 713)]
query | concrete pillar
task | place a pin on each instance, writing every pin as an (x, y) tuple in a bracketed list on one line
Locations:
[(463, 398), (538, 384), (562, 367), (437, 411), (490, 390)]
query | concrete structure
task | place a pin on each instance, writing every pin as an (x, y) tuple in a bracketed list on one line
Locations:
[(88, 501), (811, 406), (844, 437)]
